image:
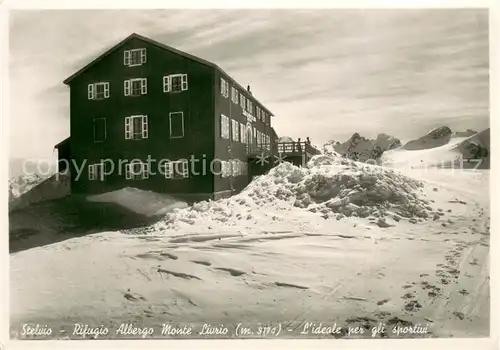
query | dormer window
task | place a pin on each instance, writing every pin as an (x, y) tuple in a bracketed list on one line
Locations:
[(98, 91), (134, 57)]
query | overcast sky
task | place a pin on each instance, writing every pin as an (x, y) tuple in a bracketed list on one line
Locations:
[(325, 74)]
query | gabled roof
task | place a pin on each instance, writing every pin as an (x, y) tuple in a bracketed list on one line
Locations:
[(161, 46)]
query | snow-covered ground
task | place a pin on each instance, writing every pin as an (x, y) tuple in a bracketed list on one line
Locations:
[(423, 159), (335, 242)]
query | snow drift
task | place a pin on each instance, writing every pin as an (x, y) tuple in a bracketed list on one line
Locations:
[(330, 187), (142, 202)]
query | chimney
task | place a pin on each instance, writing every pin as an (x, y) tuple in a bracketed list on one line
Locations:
[(248, 89)]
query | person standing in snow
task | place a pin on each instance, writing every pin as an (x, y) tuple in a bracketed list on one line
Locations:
[(308, 141), (299, 147)]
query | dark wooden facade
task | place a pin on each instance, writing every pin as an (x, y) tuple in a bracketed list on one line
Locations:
[(202, 105)]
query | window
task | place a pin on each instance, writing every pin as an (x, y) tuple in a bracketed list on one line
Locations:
[(264, 117), (258, 112), (254, 132), (136, 170), (135, 87), (225, 168), (134, 57), (224, 127), (176, 169), (234, 95), (236, 130), (176, 125), (175, 83), (224, 88), (98, 91), (243, 101), (99, 129), (96, 172), (243, 133), (249, 106), (259, 138), (136, 127), (235, 167)]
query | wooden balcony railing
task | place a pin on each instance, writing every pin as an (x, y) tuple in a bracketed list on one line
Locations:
[(286, 148)]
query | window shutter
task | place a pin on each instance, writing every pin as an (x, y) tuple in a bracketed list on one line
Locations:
[(169, 170), (128, 173), (184, 82), (100, 171), (91, 91), (143, 55), (145, 127), (223, 168), (126, 87), (106, 90), (91, 172), (144, 86), (166, 84), (126, 57), (222, 126), (128, 128), (226, 127)]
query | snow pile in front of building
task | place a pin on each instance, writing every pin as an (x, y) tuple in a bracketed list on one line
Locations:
[(330, 187), (147, 203)]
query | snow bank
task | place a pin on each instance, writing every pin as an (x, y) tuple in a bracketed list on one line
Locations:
[(331, 187), (142, 202)]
